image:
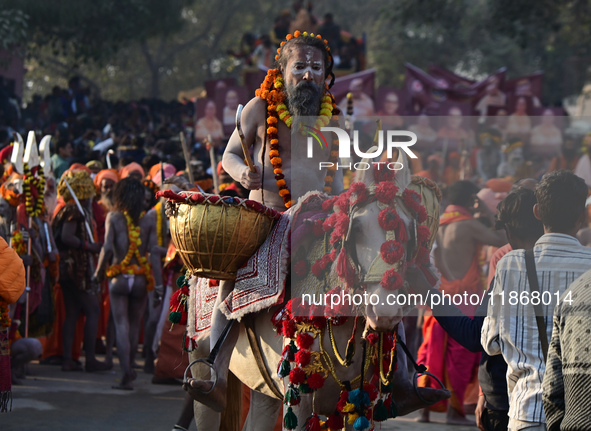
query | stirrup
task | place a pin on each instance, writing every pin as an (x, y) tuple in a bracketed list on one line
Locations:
[(416, 385), (210, 365)]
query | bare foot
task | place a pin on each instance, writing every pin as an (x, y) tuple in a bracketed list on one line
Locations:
[(208, 394), (424, 416), (455, 418)]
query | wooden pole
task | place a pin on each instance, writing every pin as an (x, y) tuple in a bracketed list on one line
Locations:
[(187, 156)]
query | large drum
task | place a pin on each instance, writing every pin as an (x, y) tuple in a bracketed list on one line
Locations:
[(215, 235)]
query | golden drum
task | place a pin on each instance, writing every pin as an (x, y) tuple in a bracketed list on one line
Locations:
[(216, 235)]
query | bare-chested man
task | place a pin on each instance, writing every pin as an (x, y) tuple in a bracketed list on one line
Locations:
[(305, 66), (128, 292), (457, 255)]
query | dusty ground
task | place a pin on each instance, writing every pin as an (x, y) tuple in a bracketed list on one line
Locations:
[(51, 400)]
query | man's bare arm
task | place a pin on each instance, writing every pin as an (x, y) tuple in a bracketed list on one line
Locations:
[(153, 249), (233, 161), (484, 235), (107, 250)]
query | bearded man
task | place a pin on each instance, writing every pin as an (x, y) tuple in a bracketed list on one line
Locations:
[(295, 91), (304, 64)]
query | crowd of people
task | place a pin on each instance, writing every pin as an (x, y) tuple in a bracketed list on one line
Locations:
[(259, 51), (101, 245)]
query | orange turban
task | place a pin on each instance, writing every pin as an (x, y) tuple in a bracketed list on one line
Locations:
[(110, 174), (498, 185), (78, 167), (128, 169), (155, 173)]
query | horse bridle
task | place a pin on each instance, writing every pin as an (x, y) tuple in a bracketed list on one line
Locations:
[(411, 249)]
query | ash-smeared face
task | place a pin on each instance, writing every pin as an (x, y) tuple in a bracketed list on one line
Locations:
[(304, 80)]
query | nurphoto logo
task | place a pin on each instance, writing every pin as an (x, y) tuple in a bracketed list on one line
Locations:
[(345, 147)]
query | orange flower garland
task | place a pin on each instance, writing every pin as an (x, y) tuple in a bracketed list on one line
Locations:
[(33, 189), (17, 243), (272, 91), (4, 315), (125, 267)]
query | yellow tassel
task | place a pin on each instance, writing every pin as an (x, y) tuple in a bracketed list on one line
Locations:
[(348, 408)]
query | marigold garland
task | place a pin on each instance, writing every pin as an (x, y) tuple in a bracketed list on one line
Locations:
[(33, 189), (272, 91), (12, 197), (125, 267), (17, 243), (4, 315)]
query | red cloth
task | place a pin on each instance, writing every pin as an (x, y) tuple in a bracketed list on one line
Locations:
[(53, 344), (445, 358)]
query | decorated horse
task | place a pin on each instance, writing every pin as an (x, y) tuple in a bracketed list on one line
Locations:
[(338, 364)]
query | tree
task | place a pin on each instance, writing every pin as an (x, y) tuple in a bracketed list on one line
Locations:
[(94, 30), (161, 65), (480, 36)]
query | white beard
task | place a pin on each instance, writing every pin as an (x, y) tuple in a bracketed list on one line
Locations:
[(50, 201)]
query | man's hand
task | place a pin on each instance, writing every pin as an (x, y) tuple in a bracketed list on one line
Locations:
[(98, 276), (94, 247), (251, 180), (478, 413), (158, 294)]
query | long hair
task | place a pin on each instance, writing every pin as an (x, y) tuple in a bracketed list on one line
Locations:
[(128, 196), (302, 40)]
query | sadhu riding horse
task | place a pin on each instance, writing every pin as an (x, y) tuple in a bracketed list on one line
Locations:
[(338, 364)]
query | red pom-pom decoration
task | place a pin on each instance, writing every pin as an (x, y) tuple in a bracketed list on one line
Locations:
[(391, 252), (297, 376), (391, 280), (302, 358), (288, 328), (315, 381), (382, 173), (423, 234), (388, 219), (304, 340), (386, 192), (372, 338)]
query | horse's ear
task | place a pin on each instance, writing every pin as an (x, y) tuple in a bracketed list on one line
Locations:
[(402, 175), (367, 176)]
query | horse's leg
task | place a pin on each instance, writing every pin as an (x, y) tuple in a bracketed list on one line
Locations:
[(404, 395), (204, 390), (205, 418), (262, 414)]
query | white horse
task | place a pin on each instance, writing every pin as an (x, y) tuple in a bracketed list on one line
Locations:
[(258, 351)]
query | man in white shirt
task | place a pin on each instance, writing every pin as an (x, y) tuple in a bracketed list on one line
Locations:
[(510, 327)]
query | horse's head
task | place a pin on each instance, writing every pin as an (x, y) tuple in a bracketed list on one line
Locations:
[(388, 228)]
